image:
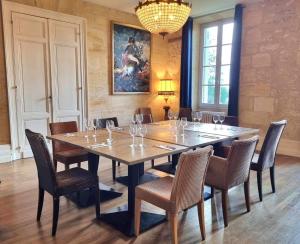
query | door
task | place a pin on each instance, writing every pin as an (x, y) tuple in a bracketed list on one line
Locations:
[(31, 70), (66, 71)]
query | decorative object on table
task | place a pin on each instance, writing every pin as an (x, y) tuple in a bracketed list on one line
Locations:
[(131, 59), (166, 89), (163, 17)]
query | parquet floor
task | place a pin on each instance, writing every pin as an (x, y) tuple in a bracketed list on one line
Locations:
[(275, 220)]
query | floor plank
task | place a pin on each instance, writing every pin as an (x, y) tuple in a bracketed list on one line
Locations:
[(275, 220)]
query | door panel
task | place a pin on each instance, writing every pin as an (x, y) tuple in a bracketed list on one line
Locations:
[(30, 37), (66, 71)]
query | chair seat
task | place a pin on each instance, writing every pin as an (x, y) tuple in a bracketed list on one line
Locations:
[(157, 192), (254, 165), (75, 179), (71, 156)]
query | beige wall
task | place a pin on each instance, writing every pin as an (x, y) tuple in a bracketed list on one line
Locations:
[(98, 46)]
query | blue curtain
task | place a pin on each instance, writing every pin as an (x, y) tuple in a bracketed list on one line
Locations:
[(186, 65), (233, 104)]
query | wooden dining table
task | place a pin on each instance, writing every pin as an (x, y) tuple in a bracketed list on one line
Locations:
[(160, 141)]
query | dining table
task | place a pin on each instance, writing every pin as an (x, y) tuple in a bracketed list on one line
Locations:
[(160, 141)]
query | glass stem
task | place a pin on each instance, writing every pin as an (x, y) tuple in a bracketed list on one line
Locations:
[(142, 141), (133, 142)]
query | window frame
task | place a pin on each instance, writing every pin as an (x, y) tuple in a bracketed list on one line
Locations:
[(216, 106)]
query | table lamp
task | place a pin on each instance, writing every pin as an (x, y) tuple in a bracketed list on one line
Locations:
[(166, 89)]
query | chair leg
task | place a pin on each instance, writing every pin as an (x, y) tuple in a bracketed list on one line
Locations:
[(119, 164), (40, 204), (152, 163), (200, 206), (113, 169), (272, 176), (97, 202), (224, 206), (259, 185), (247, 195), (79, 165), (55, 164), (173, 223), (55, 214), (67, 167), (137, 216)]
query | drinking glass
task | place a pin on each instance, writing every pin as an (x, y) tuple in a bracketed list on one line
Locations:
[(142, 132), (133, 133), (174, 126), (133, 119), (170, 115), (109, 126), (183, 123), (175, 115), (216, 119), (139, 118), (87, 125), (194, 118), (222, 118), (94, 126)]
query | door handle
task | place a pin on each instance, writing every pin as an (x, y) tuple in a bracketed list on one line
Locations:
[(14, 87)]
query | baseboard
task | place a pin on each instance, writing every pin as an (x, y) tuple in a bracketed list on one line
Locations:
[(5, 154)]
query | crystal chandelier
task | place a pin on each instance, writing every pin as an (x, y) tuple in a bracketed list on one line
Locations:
[(163, 16)]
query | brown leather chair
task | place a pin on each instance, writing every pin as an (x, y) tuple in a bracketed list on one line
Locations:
[(101, 124), (61, 183), (179, 193), (65, 153), (147, 114), (266, 159), (225, 173), (185, 112)]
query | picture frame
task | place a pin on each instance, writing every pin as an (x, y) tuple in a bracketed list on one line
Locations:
[(131, 59)]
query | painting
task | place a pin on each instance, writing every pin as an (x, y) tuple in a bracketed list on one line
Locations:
[(131, 59)]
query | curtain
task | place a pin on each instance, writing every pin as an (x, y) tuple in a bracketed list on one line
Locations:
[(233, 104), (186, 65)]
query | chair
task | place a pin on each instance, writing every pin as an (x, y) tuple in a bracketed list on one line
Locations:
[(266, 159), (101, 124), (61, 183), (207, 117), (225, 173), (179, 193), (185, 112), (65, 153), (147, 114)]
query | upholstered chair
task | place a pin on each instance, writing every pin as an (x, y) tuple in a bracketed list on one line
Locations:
[(65, 153), (185, 112), (179, 193), (101, 124), (61, 183), (147, 114), (225, 173), (266, 159)]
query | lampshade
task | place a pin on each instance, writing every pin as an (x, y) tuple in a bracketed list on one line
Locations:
[(166, 87), (163, 16)]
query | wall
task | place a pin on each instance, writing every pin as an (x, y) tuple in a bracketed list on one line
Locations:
[(98, 47), (270, 71)]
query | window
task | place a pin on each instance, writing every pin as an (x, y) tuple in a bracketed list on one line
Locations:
[(215, 64)]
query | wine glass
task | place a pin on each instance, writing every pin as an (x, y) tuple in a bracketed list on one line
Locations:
[(183, 123), (134, 119), (170, 115), (133, 133), (175, 124), (142, 132), (175, 115), (87, 126), (215, 119), (109, 126), (139, 118), (94, 124), (222, 119), (194, 118)]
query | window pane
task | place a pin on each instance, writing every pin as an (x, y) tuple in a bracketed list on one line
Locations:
[(208, 94), (209, 76), (211, 36), (226, 54), (227, 33), (209, 56), (224, 94), (225, 74)]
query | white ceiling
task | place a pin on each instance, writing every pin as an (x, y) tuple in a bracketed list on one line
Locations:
[(200, 7)]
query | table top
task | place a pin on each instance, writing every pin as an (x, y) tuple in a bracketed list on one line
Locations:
[(197, 135), (120, 149)]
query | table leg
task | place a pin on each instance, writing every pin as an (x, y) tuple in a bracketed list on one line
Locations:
[(86, 197), (122, 218)]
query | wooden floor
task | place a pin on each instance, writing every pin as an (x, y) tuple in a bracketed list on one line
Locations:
[(275, 220)]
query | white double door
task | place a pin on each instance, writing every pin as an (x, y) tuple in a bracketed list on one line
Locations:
[(48, 75)]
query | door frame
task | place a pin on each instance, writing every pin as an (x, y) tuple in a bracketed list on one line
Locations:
[(7, 9)]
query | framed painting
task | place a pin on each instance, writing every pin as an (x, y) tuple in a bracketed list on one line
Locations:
[(131, 59)]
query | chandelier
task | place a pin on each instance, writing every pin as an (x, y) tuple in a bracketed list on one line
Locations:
[(163, 16)]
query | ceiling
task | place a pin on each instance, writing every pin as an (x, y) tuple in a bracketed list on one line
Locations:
[(200, 7)]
